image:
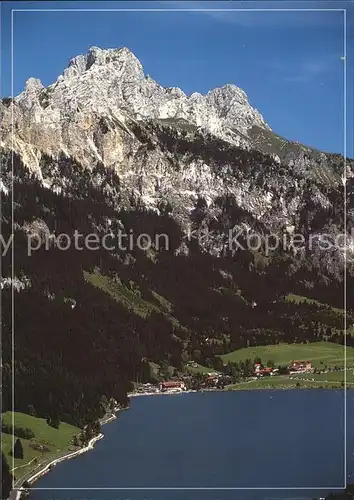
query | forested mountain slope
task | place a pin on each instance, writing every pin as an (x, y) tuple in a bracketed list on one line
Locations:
[(104, 150)]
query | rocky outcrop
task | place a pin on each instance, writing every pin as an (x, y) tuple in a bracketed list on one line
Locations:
[(111, 85), (145, 144)]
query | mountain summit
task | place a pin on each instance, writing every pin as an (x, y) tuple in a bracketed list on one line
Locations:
[(164, 146), (105, 150), (112, 83), (114, 78)]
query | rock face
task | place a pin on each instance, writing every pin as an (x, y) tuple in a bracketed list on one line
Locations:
[(164, 146), (111, 83)]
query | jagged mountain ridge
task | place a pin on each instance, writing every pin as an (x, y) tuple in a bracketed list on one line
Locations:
[(164, 146), (111, 83), (106, 82), (104, 148)]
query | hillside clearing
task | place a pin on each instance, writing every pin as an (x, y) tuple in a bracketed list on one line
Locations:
[(283, 382), (131, 297), (320, 353), (55, 441)]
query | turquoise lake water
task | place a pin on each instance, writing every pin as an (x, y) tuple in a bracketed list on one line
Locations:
[(269, 441)]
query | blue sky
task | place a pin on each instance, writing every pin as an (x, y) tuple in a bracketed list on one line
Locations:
[(289, 63)]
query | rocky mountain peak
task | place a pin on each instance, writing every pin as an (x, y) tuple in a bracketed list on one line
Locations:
[(33, 85), (29, 97), (227, 94), (104, 109), (111, 83), (162, 146), (97, 58), (232, 105)]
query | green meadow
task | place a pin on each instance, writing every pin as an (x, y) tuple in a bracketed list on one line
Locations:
[(54, 441), (320, 353)]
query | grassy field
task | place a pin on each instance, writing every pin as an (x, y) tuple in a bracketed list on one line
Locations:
[(283, 382), (56, 441), (326, 311), (328, 377), (320, 353), (200, 369), (131, 297), (299, 299)]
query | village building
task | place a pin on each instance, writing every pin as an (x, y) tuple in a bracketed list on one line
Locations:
[(212, 379), (300, 366), (172, 386), (261, 372)]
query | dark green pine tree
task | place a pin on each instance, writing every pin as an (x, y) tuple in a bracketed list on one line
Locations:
[(88, 432), (18, 449), (76, 441), (96, 427), (6, 481), (53, 420)]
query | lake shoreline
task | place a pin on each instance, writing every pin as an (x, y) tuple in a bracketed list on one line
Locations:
[(45, 469), (127, 437), (235, 389), (17, 491)]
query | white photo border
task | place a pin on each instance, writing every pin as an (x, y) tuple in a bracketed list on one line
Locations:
[(345, 229)]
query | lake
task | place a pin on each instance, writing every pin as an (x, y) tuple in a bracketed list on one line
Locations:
[(276, 439)]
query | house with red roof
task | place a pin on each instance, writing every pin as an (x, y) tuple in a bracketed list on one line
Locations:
[(300, 366), (264, 371), (172, 386), (260, 371)]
